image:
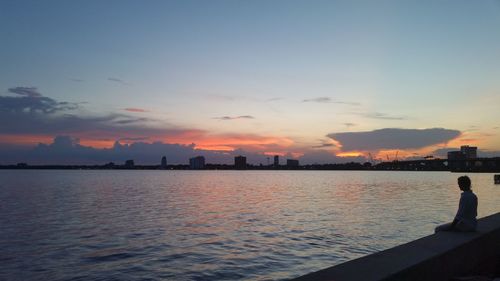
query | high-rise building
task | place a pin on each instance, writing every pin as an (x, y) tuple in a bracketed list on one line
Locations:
[(163, 162), (470, 152), (465, 152), (197, 163), (240, 162), (276, 160)]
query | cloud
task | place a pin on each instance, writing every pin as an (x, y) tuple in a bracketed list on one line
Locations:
[(118, 81), (67, 150), (393, 138), (330, 100), (135, 109), (29, 101), (234, 117), (384, 116), (134, 139), (348, 125), (76, 80), (324, 145), (25, 91), (274, 99), (31, 113)]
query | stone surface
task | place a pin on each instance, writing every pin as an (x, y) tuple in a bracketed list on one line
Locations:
[(440, 256)]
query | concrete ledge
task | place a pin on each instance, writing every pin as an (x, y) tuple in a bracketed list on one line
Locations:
[(439, 256)]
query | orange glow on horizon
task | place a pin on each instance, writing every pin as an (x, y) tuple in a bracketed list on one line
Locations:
[(349, 154), (97, 143), (272, 153), (201, 141), (26, 140)]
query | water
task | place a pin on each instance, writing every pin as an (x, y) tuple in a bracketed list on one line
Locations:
[(214, 225)]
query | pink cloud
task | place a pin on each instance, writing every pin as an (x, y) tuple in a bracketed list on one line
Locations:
[(135, 109)]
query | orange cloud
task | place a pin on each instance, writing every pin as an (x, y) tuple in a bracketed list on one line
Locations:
[(231, 141), (25, 140), (350, 154)]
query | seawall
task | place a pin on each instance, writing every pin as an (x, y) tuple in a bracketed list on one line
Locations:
[(439, 256)]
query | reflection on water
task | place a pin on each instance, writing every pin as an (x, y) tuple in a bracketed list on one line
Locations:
[(214, 225)]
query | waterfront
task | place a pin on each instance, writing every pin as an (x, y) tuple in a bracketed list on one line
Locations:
[(214, 225)]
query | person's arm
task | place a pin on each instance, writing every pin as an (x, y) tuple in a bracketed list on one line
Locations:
[(460, 212)]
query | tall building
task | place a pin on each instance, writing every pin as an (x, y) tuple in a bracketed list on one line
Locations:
[(465, 152), (276, 160), (292, 163), (240, 162), (163, 162), (470, 152), (197, 163)]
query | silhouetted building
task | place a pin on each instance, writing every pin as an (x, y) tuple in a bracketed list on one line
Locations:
[(163, 162), (129, 164), (465, 152), (276, 160), (197, 163), (240, 162), (470, 152), (292, 163), (455, 155)]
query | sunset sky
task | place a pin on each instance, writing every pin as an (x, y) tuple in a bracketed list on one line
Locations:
[(320, 81)]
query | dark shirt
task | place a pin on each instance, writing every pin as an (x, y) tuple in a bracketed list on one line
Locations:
[(467, 209)]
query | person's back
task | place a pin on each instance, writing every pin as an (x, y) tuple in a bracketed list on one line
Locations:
[(467, 211)]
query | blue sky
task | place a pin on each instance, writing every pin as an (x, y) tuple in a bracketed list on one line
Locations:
[(302, 70)]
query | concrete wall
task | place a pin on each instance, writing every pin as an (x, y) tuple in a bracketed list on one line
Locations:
[(439, 256)]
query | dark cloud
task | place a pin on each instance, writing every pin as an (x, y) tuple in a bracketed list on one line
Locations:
[(323, 145), (348, 125), (25, 91), (234, 117), (31, 113), (392, 138), (329, 100), (30, 101), (76, 80), (135, 139)]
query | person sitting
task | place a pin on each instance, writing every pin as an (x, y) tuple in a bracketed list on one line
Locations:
[(465, 219)]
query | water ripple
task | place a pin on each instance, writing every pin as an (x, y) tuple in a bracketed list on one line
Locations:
[(213, 225)]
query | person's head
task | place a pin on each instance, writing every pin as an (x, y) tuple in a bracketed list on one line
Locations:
[(464, 183)]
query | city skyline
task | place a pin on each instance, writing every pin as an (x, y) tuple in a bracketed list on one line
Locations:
[(321, 82)]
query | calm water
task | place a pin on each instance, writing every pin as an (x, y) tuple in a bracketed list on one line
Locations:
[(214, 225)]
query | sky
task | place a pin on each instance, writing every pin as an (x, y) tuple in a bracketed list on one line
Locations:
[(86, 82)]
